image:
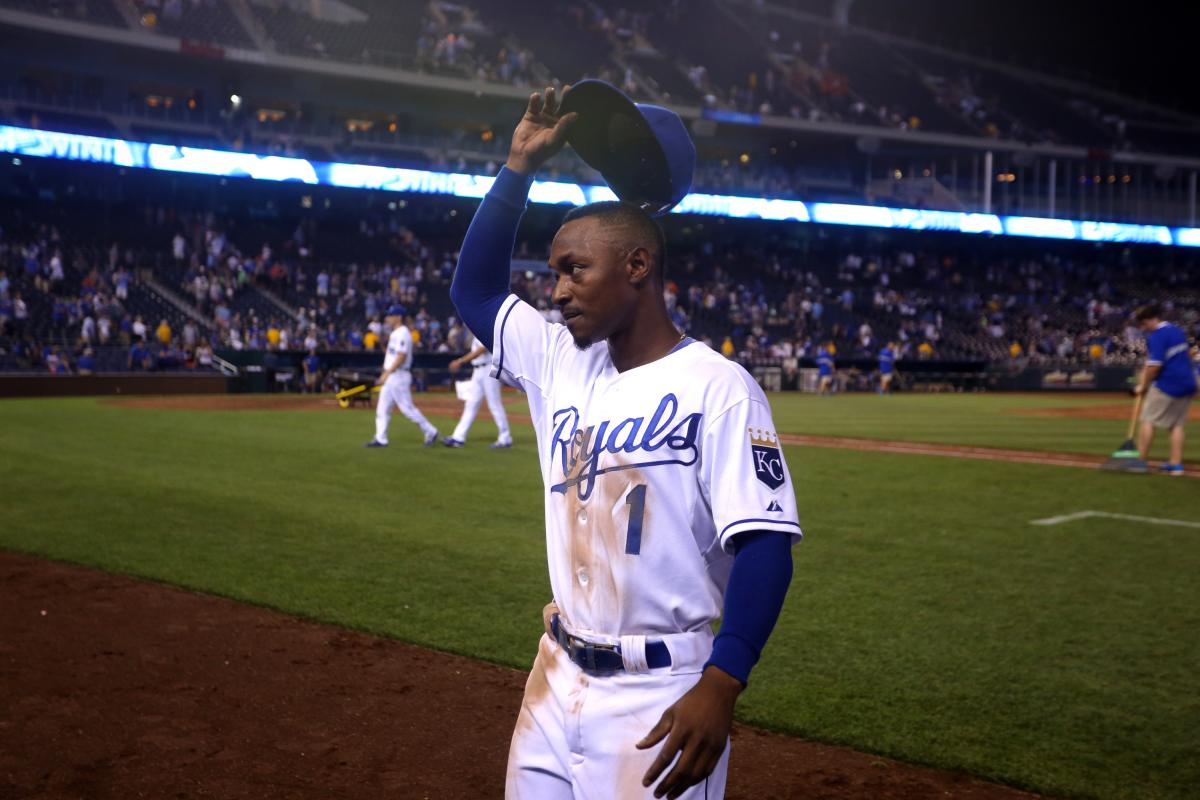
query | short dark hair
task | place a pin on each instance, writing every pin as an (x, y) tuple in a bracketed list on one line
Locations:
[(1148, 311), (640, 228)]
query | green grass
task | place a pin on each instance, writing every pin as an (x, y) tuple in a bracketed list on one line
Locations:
[(987, 420), (928, 620)]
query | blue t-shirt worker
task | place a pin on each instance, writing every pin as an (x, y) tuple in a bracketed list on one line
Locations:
[(887, 368), (825, 367), (1168, 383)]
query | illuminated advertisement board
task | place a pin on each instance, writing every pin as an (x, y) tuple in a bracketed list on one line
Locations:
[(224, 163)]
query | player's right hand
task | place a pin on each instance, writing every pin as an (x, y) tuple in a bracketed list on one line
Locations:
[(541, 132), (696, 729)]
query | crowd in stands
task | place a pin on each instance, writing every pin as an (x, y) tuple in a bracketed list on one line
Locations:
[(455, 41), (170, 284), (68, 306)]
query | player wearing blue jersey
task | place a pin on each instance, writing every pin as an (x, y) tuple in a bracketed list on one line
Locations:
[(667, 500), (1168, 382), (825, 369), (887, 367)]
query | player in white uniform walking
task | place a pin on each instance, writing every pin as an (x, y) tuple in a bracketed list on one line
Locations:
[(483, 386), (396, 381), (667, 500)]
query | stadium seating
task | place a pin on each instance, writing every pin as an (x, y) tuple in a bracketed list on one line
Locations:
[(742, 56), (200, 20), (98, 12), (772, 290), (386, 32)]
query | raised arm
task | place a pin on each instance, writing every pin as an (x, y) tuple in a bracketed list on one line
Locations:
[(481, 280)]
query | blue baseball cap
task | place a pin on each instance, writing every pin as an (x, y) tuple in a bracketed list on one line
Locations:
[(643, 151), (396, 310)]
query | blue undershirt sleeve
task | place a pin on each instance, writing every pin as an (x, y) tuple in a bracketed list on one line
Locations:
[(762, 572), (481, 280)]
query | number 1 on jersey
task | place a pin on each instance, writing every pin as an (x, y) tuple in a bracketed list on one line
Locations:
[(636, 500)]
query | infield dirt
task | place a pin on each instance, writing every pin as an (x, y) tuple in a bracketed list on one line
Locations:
[(113, 687)]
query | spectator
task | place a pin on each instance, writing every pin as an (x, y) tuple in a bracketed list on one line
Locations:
[(204, 355), (20, 315), (139, 359), (163, 332), (87, 362), (189, 334)]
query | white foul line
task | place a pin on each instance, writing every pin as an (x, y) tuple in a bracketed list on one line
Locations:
[(1133, 517)]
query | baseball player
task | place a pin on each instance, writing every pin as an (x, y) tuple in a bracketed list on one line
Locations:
[(1168, 382), (667, 500), (887, 367), (483, 385), (396, 381), (825, 369)]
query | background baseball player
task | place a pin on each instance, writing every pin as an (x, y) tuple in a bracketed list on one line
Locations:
[(665, 486), (483, 385), (1168, 381), (396, 381)]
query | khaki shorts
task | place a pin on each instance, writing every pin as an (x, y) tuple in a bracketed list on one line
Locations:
[(1164, 411)]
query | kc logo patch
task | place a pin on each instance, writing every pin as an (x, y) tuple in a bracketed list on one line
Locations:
[(768, 460)]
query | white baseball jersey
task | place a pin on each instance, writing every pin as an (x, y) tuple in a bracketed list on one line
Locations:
[(481, 360), (648, 475), (400, 346), (396, 391), (483, 386)]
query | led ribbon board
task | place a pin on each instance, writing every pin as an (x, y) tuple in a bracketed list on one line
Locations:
[(224, 163)]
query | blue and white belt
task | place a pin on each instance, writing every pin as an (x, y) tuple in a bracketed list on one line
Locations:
[(602, 656)]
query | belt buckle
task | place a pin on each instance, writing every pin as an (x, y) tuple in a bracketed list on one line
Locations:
[(590, 649), (580, 650)]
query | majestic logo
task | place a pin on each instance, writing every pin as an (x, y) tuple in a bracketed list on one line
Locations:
[(774, 506), (768, 461), (666, 438)]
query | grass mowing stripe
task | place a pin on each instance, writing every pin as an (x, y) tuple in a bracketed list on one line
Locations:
[(928, 620), (984, 420)]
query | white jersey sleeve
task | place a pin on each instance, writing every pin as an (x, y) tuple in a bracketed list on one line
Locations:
[(524, 344), (399, 348), (481, 360), (744, 472)]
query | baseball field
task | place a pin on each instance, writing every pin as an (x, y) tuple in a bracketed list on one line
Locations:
[(1017, 616)]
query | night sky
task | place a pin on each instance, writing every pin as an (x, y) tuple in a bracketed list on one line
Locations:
[(1147, 50)]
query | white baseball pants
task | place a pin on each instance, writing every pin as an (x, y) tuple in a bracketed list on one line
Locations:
[(485, 386), (575, 734), (397, 391)]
